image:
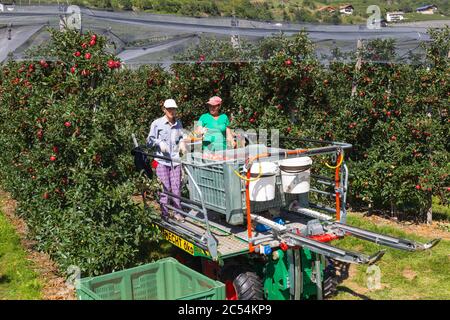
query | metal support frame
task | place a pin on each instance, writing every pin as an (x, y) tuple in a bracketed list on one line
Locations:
[(319, 284), (331, 251), (344, 194), (397, 243), (280, 233)]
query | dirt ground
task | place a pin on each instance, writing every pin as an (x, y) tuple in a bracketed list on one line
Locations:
[(54, 285)]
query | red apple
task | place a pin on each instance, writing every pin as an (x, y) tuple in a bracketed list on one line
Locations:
[(77, 54), (67, 124), (52, 158), (87, 56), (43, 63), (418, 187)]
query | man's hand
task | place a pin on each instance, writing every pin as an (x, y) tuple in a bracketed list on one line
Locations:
[(183, 148), (163, 147)]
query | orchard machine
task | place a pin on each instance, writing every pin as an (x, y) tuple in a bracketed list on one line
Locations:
[(251, 219)]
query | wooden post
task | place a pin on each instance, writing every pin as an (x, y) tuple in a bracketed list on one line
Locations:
[(430, 210), (357, 65), (430, 215)]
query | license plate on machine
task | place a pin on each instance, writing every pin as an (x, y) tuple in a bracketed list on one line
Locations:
[(178, 241)]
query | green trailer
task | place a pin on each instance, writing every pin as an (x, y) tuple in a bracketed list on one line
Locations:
[(275, 249)]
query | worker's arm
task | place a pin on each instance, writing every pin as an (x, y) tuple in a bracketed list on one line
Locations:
[(152, 139), (200, 129), (230, 138), (229, 134)]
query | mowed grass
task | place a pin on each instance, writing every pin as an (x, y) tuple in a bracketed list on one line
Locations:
[(404, 275), (17, 280)]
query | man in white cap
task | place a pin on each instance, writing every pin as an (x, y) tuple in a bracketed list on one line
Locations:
[(166, 136)]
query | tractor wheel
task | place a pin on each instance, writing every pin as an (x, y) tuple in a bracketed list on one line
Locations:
[(330, 280), (242, 284)]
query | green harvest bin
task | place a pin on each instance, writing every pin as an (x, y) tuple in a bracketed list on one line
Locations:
[(223, 191), (166, 279)]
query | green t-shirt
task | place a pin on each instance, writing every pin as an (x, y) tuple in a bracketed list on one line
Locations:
[(215, 138)]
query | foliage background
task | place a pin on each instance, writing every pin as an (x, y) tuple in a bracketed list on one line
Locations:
[(66, 125)]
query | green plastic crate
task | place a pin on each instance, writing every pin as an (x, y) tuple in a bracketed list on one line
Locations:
[(223, 191), (166, 279)]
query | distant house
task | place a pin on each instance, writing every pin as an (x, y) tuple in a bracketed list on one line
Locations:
[(346, 9), (6, 7), (428, 9), (394, 16), (329, 9)]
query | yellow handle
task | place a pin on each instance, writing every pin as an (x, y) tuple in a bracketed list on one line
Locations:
[(245, 178), (338, 165)]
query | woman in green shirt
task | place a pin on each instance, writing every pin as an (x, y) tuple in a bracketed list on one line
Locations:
[(214, 127)]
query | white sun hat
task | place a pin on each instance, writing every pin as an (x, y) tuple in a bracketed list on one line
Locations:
[(170, 103)]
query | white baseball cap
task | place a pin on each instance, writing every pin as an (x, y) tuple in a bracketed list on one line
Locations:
[(170, 103)]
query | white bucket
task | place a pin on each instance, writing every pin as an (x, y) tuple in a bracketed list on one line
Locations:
[(295, 174), (263, 189)]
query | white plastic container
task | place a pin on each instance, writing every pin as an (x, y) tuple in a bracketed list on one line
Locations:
[(263, 189), (295, 174)]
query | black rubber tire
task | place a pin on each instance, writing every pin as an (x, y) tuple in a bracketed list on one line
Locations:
[(330, 281), (248, 285)]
